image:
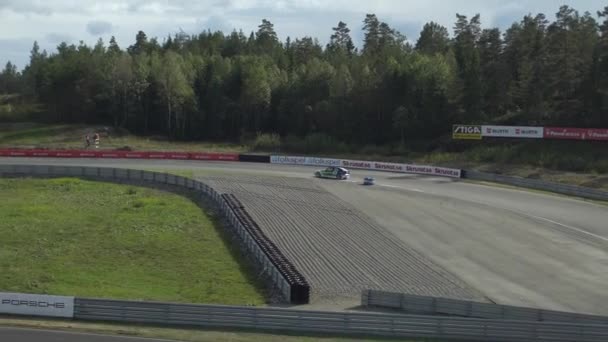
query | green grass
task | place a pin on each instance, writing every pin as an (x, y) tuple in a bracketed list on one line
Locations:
[(91, 239)]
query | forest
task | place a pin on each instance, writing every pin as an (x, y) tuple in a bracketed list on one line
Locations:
[(391, 90)]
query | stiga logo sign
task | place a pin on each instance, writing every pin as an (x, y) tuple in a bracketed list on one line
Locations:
[(36, 305), (469, 132)]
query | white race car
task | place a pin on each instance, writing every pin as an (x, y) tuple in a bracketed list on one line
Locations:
[(333, 173)]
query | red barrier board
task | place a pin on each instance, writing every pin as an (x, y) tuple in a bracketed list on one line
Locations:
[(569, 133), (215, 156), (178, 155), (87, 154), (137, 155), (157, 155), (120, 154)]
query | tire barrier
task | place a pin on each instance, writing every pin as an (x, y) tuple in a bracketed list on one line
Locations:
[(299, 289)]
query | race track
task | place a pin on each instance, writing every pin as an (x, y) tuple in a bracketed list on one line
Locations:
[(42, 335), (514, 246)]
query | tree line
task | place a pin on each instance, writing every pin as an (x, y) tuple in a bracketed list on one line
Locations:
[(228, 86)]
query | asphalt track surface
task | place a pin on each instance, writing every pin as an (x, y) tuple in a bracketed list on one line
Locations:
[(42, 335), (515, 246)]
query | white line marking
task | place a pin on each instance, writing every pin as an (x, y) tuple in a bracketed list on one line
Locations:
[(400, 187), (566, 226), (540, 218)]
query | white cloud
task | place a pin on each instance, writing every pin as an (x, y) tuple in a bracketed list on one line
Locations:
[(87, 19)]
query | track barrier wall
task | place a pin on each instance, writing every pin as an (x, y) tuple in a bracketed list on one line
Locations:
[(120, 154), (254, 158), (453, 307), (565, 189), (277, 269), (338, 323), (367, 165)]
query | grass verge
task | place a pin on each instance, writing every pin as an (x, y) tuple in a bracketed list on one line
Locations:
[(92, 239)]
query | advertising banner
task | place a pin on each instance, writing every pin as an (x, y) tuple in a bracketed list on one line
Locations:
[(512, 132), (367, 165), (569, 133), (402, 168), (225, 156), (36, 305), (466, 132), (86, 154), (120, 154), (136, 155), (312, 161), (177, 155), (18, 153), (215, 156), (111, 154)]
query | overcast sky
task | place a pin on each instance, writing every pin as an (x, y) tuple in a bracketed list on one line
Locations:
[(53, 21)]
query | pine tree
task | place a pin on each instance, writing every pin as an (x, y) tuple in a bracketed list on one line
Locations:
[(340, 41), (467, 57), (433, 39)]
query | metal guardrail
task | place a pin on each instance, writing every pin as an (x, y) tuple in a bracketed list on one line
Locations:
[(293, 290), (565, 189), (342, 323), (444, 306)]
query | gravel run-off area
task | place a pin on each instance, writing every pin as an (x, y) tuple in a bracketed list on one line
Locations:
[(338, 249)]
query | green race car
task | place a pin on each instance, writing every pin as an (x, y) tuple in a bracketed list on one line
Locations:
[(333, 173)]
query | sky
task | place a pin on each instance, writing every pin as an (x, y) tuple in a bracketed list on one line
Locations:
[(51, 22)]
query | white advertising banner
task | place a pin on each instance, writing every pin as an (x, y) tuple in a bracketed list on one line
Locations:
[(402, 168), (512, 132), (36, 305), (313, 161), (367, 165)]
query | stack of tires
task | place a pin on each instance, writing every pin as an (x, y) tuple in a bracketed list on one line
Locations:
[(299, 287)]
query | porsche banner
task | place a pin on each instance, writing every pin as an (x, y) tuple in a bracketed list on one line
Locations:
[(36, 305)]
